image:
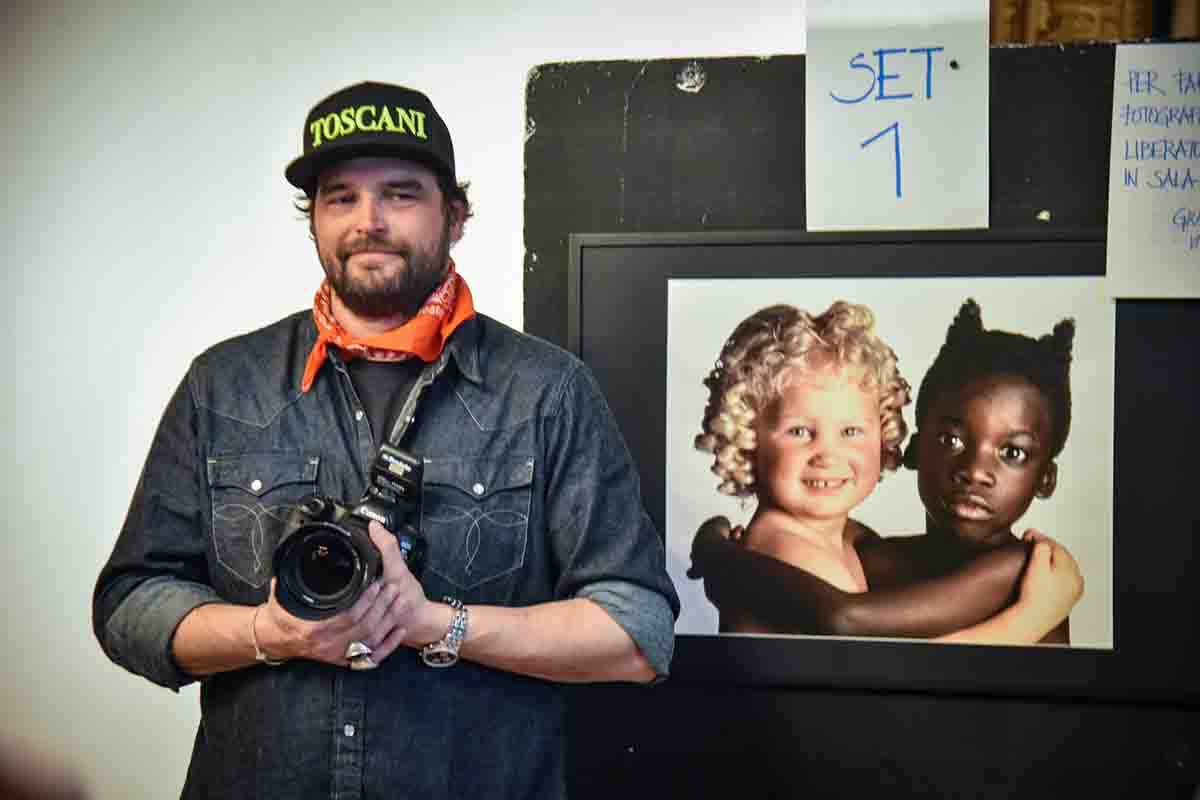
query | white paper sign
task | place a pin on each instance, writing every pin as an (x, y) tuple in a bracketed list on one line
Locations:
[(896, 116), (1154, 172)]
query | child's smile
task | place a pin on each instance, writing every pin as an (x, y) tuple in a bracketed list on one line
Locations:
[(818, 446), (984, 455), (818, 485)]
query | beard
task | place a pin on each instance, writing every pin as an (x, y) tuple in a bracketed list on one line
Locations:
[(379, 294)]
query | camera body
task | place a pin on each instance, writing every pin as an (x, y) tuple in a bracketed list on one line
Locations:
[(325, 557)]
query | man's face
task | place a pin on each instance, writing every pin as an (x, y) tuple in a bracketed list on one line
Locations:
[(817, 448), (983, 455), (382, 234)]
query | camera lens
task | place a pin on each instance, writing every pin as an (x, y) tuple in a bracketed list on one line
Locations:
[(326, 564), (322, 569)]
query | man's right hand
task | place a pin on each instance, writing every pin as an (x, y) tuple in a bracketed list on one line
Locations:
[(284, 636), (381, 618)]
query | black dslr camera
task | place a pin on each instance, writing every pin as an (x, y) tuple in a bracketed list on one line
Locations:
[(325, 559)]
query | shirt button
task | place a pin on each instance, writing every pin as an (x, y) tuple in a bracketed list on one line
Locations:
[(477, 488), (255, 485), (358, 415), (348, 730)]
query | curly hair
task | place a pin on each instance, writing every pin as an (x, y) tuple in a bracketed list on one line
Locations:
[(753, 370), (971, 352)]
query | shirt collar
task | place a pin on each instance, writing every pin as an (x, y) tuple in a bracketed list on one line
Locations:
[(463, 347)]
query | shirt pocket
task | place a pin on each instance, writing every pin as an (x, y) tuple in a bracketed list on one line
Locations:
[(475, 519), (252, 495)]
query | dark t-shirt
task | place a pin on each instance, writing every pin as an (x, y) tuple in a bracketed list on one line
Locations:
[(382, 387)]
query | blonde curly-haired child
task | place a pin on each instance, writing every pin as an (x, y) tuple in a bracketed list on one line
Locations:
[(805, 414)]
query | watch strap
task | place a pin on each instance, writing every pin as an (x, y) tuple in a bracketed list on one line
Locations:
[(444, 652)]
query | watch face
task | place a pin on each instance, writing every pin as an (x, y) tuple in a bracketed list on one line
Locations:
[(438, 655)]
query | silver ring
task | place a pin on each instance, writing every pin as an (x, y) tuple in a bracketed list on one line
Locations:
[(363, 662), (356, 649)]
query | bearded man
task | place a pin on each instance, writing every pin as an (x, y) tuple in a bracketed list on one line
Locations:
[(541, 566)]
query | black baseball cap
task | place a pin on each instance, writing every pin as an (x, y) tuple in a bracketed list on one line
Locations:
[(371, 119)]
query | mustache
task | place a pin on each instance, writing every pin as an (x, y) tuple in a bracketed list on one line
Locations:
[(369, 243)]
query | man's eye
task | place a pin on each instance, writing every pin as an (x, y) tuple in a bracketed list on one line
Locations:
[(950, 441), (853, 430), (799, 432), (1012, 454), (399, 195)]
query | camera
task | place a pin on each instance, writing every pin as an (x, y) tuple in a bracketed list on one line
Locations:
[(325, 558)]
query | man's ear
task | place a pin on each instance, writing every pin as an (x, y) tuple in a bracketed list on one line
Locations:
[(910, 451), (1049, 481), (458, 210)]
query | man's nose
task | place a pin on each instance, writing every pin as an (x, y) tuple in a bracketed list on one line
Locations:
[(369, 218)]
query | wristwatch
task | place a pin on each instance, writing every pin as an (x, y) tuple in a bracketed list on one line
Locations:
[(444, 652)]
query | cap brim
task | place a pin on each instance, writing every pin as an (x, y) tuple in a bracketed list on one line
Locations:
[(304, 171)]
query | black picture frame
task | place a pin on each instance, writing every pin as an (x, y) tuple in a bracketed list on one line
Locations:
[(617, 309)]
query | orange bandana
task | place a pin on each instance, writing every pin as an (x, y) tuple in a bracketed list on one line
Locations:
[(422, 336)]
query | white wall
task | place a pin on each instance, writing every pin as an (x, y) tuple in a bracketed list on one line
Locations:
[(145, 216)]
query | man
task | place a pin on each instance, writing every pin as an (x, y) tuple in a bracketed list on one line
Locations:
[(541, 568)]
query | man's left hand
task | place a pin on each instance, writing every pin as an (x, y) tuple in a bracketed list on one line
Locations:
[(397, 612)]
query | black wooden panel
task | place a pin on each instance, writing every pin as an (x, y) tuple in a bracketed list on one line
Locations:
[(730, 742), (617, 147)]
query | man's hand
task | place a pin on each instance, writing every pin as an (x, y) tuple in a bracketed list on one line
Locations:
[(1052, 582), (391, 611)]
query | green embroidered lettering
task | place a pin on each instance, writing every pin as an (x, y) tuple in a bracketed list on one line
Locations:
[(347, 121), (331, 126), (360, 115), (413, 120), (385, 120), (315, 130)]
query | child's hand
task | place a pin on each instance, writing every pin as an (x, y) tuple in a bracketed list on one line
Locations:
[(713, 533), (1034, 535), (1052, 582)]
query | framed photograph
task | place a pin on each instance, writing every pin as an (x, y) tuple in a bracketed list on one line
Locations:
[(650, 313)]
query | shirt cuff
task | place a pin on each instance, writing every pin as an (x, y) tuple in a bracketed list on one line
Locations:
[(140, 632), (643, 613)]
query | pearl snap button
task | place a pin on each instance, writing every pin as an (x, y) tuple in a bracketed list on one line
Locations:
[(255, 485), (477, 488), (348, 730), (358, 415)]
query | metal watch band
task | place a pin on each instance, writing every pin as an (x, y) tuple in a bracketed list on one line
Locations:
[(444, 652)]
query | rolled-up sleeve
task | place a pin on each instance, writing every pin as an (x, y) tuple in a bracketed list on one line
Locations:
[(644, 614), (608, 549), (157, 572)]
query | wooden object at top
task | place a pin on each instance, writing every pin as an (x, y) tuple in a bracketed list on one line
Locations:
[(1185, 19), (1033, 21)]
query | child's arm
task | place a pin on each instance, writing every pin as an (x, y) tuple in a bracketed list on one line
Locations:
[(790, 600), (1050, 587)]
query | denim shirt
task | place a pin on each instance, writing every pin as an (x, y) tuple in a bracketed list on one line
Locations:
[(529, 495)]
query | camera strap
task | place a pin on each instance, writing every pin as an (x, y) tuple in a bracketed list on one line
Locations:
[(408, 412)]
